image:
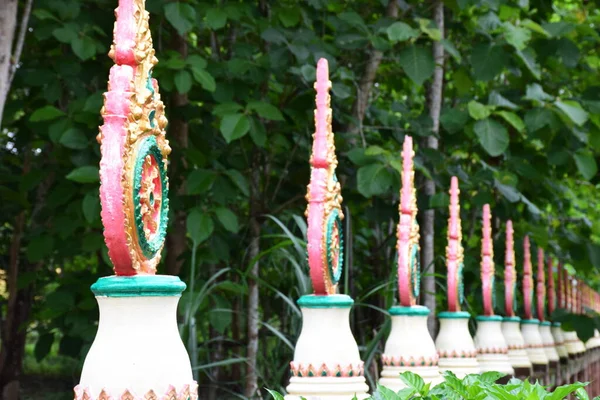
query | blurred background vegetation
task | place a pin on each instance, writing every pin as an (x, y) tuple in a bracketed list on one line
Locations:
[(512, 107)]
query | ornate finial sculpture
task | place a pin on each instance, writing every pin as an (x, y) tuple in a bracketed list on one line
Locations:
[(136, 306), (133, 169), (527, 280), (454, 251), (487, 263), (326, 358), (541, 286), (510, 272), (561, 286), (454, 342), (551, 289), (408, 231), (409, 346), (492, 350), (324, 212), (554, 300)]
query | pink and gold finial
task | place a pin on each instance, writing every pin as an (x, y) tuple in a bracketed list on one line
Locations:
[(527, 280), (487, 263), (133, 168), (551, 290), (541, 286), (510, 272), (454, 250), (408, 231), (324, 212), (561, 286)]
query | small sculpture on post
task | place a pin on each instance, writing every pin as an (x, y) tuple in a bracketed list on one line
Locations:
[(137, 307), (454, 342), (561, 350), (545, 326), (409, 346), (530, 327), (492, 351), (517, 354), (327, 362)]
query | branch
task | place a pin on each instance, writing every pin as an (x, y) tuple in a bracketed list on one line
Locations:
[(20, 41)]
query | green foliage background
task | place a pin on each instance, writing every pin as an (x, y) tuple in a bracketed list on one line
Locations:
[(520, 127)]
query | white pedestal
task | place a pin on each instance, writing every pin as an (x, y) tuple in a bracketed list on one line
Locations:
[(548, 341), (137, 349), (455, 345), (409, 348), (517, 354), (559, 341), (530, 329), (492, 350), (327, 364)]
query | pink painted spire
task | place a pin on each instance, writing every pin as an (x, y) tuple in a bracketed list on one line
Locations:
[(527, 280), (561, 286), (325, 231), (551, 289), (408, 231), (541, 286), (510, 272), (454, 250), (487, 263)]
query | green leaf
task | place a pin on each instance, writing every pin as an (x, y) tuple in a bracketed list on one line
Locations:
[(417, 62), (91, 206), (199, 226), (512, 119), (183, 81), (43, 346), (309, 72), (478, 111), (258, 132), (450, 49), (509, 192), (65, 34), (353, 19), (400, 32), (535, 27), (487, 61), (374, 179), (204, 78), (429, 28), (492, 136), (46, 113), (454, 120), (275, 395), (87, 174), (586, 163), (412, 380), (220, 316), (439, 200), (496, 99), (216, 18), (564, 391), (289, 16), (536, 93), (196, 61), (234, 126), (228, 219), (239, 180), (558, 29), (199, 181), (74, 139), (528, 58), (39, 248), (537, 118), (84, 47), (516, 36), (266, 110), (573, 111), (581, 394), (181, 15)]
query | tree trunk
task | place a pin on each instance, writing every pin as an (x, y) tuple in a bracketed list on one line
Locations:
[(428, 230), (253, 300), (366, 84), (178, 132), (8, 26)]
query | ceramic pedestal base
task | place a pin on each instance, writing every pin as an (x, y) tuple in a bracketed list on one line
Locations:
[(550, 350), (492, 351), (327, 364), (455, 345), (137, 352), (559, 341), (530, 328), (409, 348), (517, 354)]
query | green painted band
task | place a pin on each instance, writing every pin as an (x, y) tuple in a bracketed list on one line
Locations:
[(414, 311), (454, 315), (331, 301), (512, 319), (483, 318), (545, 323), (138, 286), (532, 321), (556, 324)]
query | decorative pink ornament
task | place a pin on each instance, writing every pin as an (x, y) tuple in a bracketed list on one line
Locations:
[(487, 263), (551, 290), (325, 231), (561, 286), (510, 272), (454, 250), (133, 168), (541, 286), (527, 280), (408, 231)]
